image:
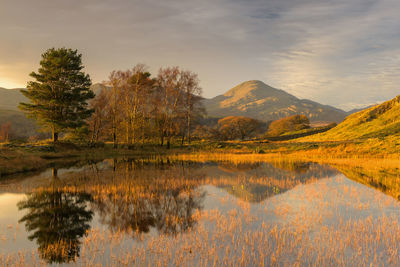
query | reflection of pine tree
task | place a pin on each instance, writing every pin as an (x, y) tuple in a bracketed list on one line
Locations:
[(57, 221)]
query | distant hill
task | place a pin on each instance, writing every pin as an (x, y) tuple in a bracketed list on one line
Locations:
[(10, 98), (21, 126), (97, 87), (257, 100), (360, 109), (375, 122)]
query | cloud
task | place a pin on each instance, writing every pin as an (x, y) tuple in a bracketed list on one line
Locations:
[(338, 52)]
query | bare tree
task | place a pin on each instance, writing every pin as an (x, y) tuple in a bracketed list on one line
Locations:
[(101, 117), (5, 130), (192, 99), (140, 85), (144, 107), (169, 99), (115, 82)]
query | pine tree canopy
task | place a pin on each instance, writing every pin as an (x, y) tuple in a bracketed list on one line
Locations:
[(60, 93)]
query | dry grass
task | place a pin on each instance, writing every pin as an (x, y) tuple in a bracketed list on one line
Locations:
[(12, 161), (319, 157)]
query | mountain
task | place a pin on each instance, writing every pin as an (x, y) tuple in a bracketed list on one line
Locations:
[(359, 109), (21, 126), (379, 121), (10, 98), (257, 100)]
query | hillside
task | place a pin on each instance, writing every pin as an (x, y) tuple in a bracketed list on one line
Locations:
[(257, 100), (21, 126), (10, 98), (375, 122)]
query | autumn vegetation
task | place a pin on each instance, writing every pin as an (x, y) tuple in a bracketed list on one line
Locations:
[(133, 108), (153, 140), (292, 123), (157, 212), (136, 112)]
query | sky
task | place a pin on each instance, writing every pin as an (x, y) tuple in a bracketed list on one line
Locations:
[(344, 53)]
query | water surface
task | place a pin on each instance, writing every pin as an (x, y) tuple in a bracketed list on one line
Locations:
[(145, 212)]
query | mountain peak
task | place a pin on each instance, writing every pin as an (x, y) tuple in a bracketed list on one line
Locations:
[(261, 101), (248, 87)]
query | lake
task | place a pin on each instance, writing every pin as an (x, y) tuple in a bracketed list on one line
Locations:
[(159, 212)]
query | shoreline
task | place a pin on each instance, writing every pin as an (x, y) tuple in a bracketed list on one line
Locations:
[(28, 158)]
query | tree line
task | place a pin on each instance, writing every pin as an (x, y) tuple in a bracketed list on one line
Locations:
[(132, 107), (135, 108)]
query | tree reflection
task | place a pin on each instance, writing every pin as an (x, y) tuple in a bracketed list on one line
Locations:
[(170, 212), (57, 220), (163, 199)]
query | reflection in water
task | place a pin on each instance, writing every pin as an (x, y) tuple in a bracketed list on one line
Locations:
[(57, 220), (323, 218), (255, 182), (238, 167), (385, 180), (170, 212), (139, 196), (153, 196)]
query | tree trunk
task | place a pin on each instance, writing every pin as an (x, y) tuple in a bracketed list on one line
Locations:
[(54, 173), (55, 136), (188, 128), (115, 140)]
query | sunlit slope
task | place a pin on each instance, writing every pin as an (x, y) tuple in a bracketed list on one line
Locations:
[(381, 121)]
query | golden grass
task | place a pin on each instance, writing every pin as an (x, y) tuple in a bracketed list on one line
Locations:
[(315, 156), (313, 224), (320, 234)]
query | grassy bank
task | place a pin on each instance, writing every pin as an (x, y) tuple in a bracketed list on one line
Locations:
[(32, 157)]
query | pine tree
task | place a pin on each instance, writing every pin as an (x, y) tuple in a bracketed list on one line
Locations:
[(59, 96)]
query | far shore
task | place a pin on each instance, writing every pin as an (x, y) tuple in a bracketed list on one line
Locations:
[(25, 158)]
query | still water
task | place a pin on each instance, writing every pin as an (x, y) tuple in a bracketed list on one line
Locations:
[(130, 212)]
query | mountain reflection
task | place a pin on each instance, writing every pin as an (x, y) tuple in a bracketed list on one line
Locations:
[(142, 196), (255, 182)]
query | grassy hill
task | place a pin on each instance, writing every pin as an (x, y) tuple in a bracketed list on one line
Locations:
[(379, 122), (257, 100)]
